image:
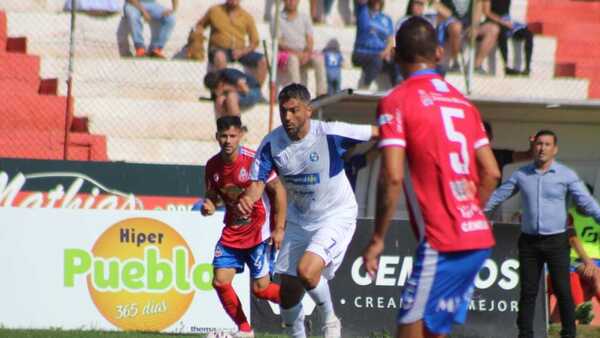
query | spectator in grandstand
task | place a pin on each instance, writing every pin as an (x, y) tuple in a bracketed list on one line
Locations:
[(417, 8), (322, 209), (373, 47), (296, 43), (245, 240), (545, 186), (498, 12), (229, 26), (136, 10), (449, 183), (507, 156), (455, 19), (333, 66), (232, 90)]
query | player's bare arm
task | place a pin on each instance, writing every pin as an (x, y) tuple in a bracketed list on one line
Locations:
[(489, 174), (276, 189), (388, 193), (374, 133), (250, 196)]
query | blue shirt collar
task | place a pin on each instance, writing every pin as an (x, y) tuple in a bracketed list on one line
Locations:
[(428, 71), (554, 167)]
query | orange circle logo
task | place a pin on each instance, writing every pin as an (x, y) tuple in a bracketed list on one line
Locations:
[(141, 275)]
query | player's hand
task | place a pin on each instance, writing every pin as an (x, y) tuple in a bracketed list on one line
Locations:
[(277, 237), (587, 269), (371, 256), (208, 208), (245, 205)]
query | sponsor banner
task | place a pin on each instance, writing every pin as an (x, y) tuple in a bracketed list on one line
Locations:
[(99, 185), (369, 306), (111, 270)]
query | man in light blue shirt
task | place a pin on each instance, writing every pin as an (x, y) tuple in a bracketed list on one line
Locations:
[(545, 187)]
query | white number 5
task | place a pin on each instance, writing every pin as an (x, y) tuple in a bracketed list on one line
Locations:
[(458, 162)]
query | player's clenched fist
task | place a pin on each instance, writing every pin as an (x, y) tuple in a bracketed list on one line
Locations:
[(208, 207), (245, 205)]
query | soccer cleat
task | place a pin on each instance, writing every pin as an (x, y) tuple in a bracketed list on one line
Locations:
[(244, 334), (332, 328), (140, 52)]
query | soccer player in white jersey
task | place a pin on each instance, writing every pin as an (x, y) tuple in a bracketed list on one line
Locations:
[(322, 209)]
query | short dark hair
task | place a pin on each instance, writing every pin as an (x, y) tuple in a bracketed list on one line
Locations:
[(416, 38), (546, 132), (226, 122), (212, 79), (294, 91)]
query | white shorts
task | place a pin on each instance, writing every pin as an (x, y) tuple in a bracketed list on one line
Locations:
[(329, 242)]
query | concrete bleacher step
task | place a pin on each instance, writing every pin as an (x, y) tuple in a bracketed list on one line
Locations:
[(20, 111), (32, 144), (564, 11), (155, 119), (162, 151), (19, 67), (520, 88)]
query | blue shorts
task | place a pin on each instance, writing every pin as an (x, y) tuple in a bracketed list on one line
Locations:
[(260, 259), (440, 287), (251, 98)]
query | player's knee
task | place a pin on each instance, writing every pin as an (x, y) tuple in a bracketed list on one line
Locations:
[(218, 284), (308, 277)]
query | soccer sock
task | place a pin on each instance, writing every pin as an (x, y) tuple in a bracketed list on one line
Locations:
[(233, 306), (293, 319), (321, 295), (271, 293)]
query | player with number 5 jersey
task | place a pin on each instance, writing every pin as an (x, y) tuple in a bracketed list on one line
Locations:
[(451, 174)]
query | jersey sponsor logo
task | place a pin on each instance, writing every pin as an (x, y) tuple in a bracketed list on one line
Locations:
[(303, 179), (218, 252), (463, 190), (469, 226), (243, 175), (384, 119), (314, 156)]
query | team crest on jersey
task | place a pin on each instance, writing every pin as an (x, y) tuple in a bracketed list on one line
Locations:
[(384, 119), (216, 178), (243, 176), (314, 157)]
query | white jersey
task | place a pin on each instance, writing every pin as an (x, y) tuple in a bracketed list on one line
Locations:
[(312, 171)]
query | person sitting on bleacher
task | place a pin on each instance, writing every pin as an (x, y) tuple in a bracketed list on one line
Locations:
[(374, 44), (232, 90), (229, 25), (455, 18), (296, 43), (149, 10), (498, 12)]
